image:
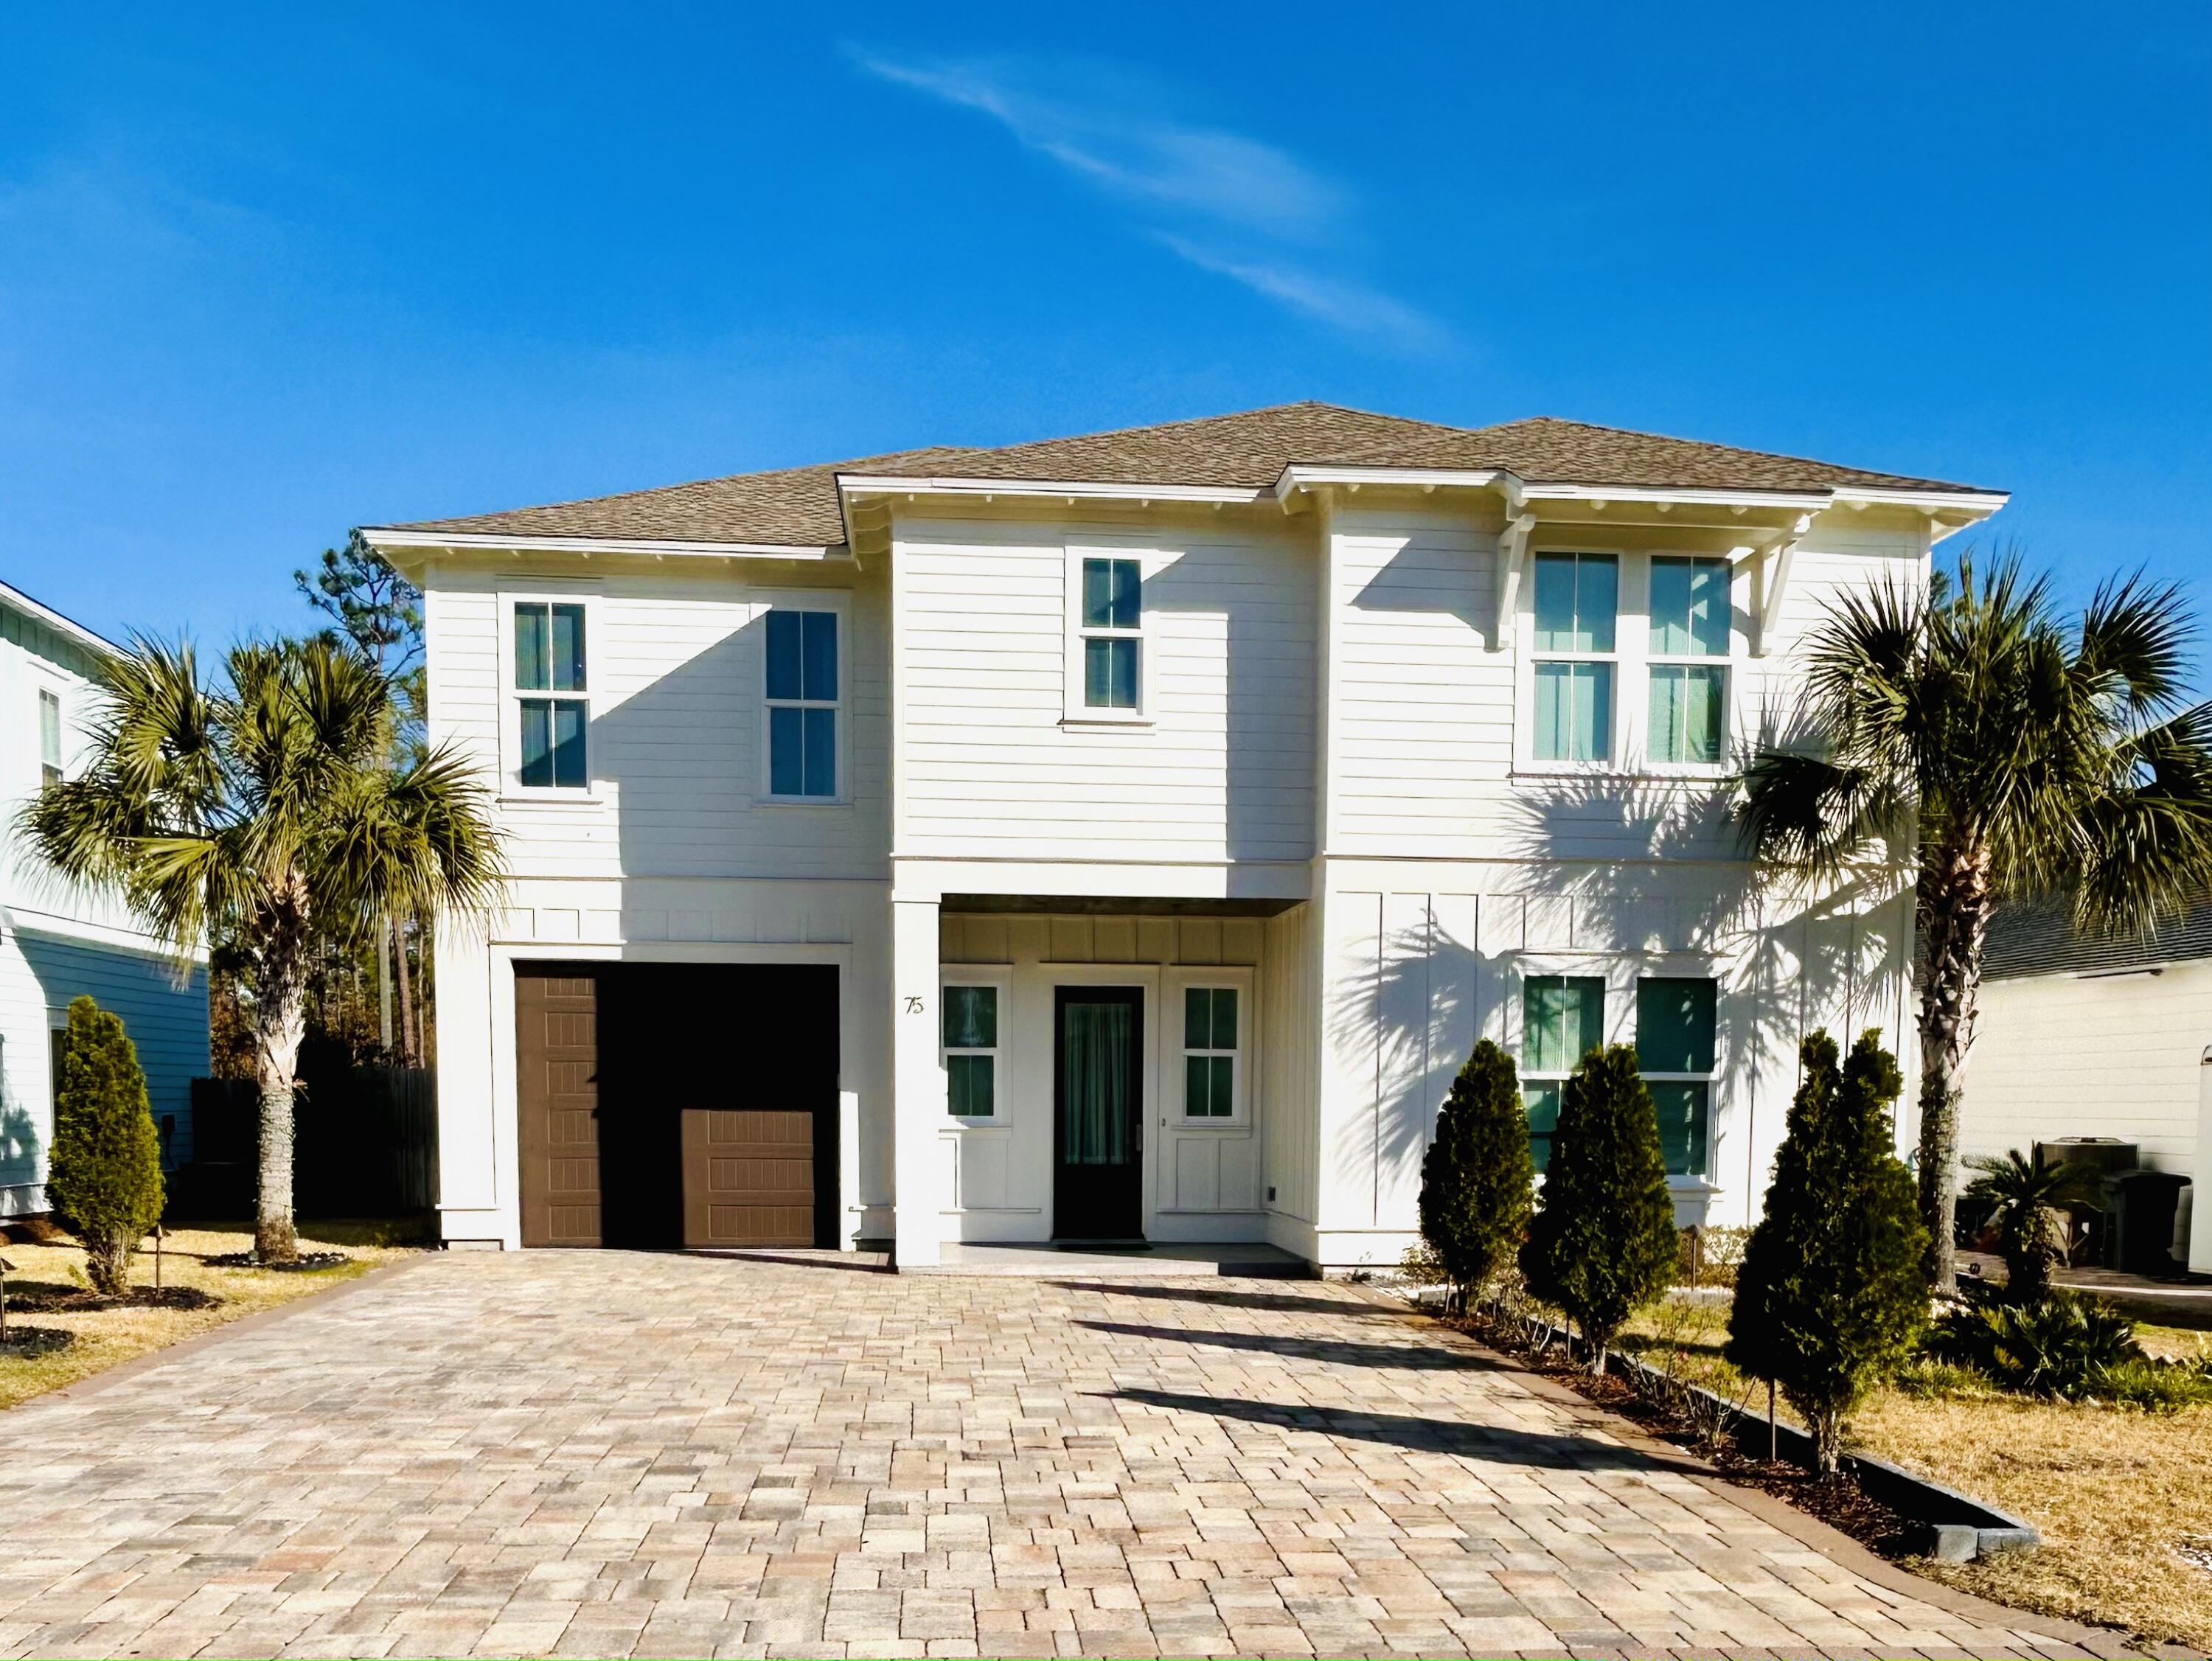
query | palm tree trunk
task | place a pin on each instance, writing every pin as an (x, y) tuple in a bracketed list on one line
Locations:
[(410, 1050), (280, 1022), (1954, 901)]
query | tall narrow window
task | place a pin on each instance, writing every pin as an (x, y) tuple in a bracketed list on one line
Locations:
[(971, 1051), (802, 703), (549, 682), (1561, 1017), (50, 738), (1674, 1022), (1111, 630), (1209, 1052), (1578, 599), (1689, 629)]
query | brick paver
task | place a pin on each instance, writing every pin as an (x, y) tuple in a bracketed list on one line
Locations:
[(615, 1454)]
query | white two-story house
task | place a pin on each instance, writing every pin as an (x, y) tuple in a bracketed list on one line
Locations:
[(58, 941), (1127, 836)]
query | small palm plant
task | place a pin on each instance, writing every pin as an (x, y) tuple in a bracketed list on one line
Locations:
[(2003, 754), (2025, 1201), (261, 814)]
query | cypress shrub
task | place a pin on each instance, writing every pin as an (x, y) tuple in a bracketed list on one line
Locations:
[(104, 1170), (1476, 1177), (1603, 1244), (1830, 1296)]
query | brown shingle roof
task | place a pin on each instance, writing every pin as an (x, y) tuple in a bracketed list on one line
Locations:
[(797, 505)]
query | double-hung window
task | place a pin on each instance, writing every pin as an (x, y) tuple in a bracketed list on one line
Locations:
[(1578, 602), (1688, 661), (1109, 625), (552, 705), (1675, 1047), (1209, 1052), (1562, 1017), (802, 705), (50, 738), (971, 1051)]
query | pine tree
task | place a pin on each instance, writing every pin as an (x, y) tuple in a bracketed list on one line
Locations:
[(1476, 1177), (1603, 1242), (1830, 1295), (104, 1171)]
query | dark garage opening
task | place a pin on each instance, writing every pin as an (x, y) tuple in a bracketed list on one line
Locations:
[(667, 1105)]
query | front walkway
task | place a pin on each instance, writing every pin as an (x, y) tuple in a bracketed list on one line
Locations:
[(605, 1454)]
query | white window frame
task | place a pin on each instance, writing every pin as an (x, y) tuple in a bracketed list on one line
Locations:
[(1075, 712), (1710, 1080), (1002, 981), (1240, 981), (1632, 660), (511, 695), (838, 604), (44, 690)]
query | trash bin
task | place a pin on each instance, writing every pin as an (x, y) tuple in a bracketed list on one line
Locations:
[(2140, 1207)]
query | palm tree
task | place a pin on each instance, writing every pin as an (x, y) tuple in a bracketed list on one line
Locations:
[(2007, 754), (2024, 1201), (262, 812)]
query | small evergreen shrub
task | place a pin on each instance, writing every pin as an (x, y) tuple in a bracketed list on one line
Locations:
[(104, 1170), (2060, 1345), (1477, 1177), (1602, 1242), (1830, 1297)]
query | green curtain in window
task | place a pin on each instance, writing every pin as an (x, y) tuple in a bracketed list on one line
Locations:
[(1675, 1026), (1681, 1109), (1096, 1066), (1563, 1016), (1689, 607)]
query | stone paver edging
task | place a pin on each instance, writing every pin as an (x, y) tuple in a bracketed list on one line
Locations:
[(606, 1453)]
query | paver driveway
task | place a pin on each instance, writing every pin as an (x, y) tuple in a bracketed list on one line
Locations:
[(606, 1454)]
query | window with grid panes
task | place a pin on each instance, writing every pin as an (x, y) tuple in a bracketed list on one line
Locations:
[(1562, 1017), (1572, 650), (1209, 1052)]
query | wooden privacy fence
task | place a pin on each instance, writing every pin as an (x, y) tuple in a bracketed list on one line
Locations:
[(365, 1144)]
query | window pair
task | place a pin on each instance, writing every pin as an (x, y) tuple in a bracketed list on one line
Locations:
[(970, 1042), (1563, 1016), (1575, 651), (553, 702)]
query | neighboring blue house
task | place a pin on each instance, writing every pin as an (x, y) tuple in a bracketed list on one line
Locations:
[(55, 942)]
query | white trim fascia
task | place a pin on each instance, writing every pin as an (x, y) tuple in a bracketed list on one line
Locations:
[(19, 918), (1980, 503), (382, 537), (1298, 476), (98, 644), (874, 484)]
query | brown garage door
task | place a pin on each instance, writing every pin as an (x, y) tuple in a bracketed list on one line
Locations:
[(748, 1176), (557, 1102)]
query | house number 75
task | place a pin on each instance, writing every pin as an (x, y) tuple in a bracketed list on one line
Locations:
[(913, 1006)]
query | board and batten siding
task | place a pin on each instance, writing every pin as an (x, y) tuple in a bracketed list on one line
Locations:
[(676, 671), (990, 769)]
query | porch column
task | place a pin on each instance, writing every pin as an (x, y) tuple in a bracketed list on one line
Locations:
[(918, 1100)]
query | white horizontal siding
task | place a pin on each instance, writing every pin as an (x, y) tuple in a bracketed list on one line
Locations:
[(1224, 771)]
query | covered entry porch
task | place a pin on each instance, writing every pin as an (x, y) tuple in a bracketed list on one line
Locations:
[(1078, 1075)]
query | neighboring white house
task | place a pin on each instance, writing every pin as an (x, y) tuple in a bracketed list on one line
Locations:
[(2093, 1036), (1129, 835), (57, 941)]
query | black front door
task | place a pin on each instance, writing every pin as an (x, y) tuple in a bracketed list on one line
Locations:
[(1098, 1113)]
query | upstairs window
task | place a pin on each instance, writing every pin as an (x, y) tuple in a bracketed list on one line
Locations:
[(1688, 661), (1577, 602), (1209, 1052), (1562, 1017), (971, 1051), (802, 705), (50, 738), (1110, 627), (1674, 1046), (553, 708)]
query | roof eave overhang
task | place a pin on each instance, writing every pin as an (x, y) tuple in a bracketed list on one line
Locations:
[(68, 628), (409, 547)]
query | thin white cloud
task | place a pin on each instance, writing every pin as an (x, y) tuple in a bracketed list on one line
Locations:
[(1230, 206)]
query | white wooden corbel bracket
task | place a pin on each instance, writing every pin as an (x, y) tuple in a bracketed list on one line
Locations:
[(1771, 581), (1512, 557)]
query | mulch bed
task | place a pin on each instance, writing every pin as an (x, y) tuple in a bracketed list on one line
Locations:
[(47, 1298), (1838, 1500), (27, 1343), (306, 1260)]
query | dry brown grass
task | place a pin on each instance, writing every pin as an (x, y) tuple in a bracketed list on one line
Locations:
[(2113, 1491), (101, 1338)]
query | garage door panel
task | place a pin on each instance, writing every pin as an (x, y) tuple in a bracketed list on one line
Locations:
[(748, 1176)]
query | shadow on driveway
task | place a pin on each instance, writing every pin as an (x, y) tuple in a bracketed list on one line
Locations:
[(1282, 1303), (1425, 1357)]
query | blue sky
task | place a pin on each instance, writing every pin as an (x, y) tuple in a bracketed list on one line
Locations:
[(268, 273)]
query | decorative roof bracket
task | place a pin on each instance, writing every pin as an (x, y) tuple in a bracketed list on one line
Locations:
[(1512, 555)]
